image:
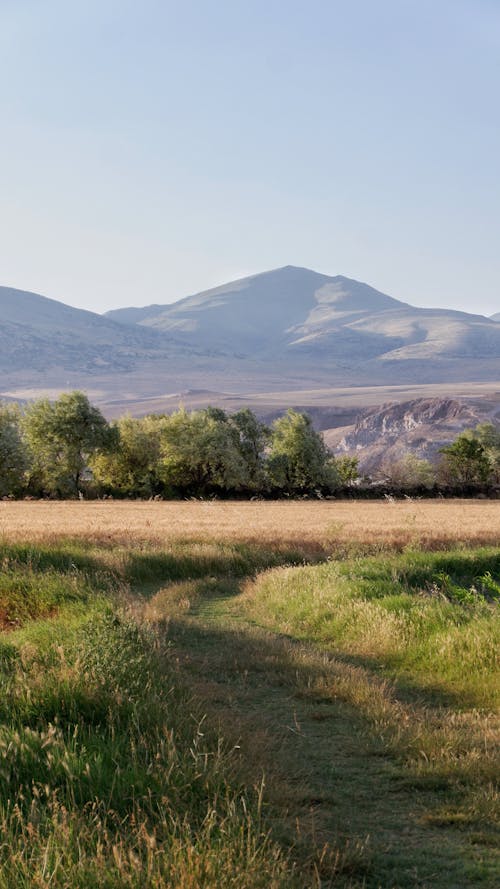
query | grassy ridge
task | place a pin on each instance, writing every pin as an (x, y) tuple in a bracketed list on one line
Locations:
[(108, 776)]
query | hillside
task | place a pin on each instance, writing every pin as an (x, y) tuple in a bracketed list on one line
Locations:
[(290, 329), (38, 334), (251, 316), (298, 315), (422, 426)]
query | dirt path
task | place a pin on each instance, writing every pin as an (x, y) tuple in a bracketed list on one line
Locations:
[(330, 783)]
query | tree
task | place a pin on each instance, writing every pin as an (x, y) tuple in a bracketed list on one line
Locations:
[(299, 461), (489, 437), (13, 454), (347, 469), (465, 462), (132, 466), (200, 453), (408, 472), (252, 438), (62, 437)]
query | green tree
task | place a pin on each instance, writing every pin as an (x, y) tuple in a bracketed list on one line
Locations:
[(62, 437), (408, 472), (489, 437), (13, 454), (465, 462), (200, 453), (252, 437), (132, 466), (299, 461), (347, 468)]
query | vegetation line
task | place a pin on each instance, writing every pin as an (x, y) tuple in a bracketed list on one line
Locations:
[(67, 449)]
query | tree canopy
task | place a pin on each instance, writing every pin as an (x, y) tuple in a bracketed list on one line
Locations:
[(299, 461), (62, 436), (13, 455), (66, 448), (465, 461)]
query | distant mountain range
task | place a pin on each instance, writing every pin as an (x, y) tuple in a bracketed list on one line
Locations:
[(39, 334), (298, 314), (290, 328)]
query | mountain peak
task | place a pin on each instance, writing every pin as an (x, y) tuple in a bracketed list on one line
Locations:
[(264, 311), (289, 327)]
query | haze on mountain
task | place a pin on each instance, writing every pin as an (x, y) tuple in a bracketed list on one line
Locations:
[(287, 329), (302, 315), (38, 334)]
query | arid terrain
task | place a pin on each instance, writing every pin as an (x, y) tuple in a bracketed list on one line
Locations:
[(286, 331)]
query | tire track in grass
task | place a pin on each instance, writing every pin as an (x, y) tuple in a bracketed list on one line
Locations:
[(352, 814)]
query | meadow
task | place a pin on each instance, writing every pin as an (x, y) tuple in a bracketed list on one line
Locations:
[(221, 694)]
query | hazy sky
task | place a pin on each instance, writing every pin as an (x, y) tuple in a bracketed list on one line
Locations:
[(150, 149)]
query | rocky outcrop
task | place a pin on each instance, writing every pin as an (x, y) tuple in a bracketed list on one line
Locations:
[(421, 427)]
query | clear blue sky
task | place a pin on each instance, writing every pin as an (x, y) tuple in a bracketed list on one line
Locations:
[(150, 149)]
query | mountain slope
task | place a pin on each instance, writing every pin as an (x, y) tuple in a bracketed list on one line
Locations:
[(300, 315), (288, 329), (37, 333), (422, 426), (263, 311), (496, 317)]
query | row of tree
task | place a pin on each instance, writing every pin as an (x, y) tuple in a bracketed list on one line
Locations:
[(66, 447)]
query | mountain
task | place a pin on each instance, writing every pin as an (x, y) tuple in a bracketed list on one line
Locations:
[(288, 329), (299, 316), (495, 317), (255, 314), (38, 334)]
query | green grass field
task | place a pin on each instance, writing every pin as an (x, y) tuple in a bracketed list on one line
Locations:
[(226, 714)]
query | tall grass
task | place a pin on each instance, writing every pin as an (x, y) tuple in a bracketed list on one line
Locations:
[(108, 776), (429, 619), (109, 773)]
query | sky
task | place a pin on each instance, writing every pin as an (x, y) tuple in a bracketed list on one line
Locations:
[(150, 149)]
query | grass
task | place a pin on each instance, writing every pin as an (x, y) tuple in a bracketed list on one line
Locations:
[(430, 619), (395, 792), (108, 776), (226, 698)]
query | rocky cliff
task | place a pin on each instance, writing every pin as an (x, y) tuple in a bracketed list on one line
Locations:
[(421, 427)]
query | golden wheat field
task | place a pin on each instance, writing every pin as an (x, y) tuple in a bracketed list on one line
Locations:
[(399, 523)]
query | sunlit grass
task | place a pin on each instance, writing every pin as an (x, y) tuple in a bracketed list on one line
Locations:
[(401, 611), (108, 775)]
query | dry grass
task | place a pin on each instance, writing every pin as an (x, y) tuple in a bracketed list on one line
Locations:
[(428, 523)]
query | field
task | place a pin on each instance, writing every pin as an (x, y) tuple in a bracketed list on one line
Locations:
[(210, 694), (313, 523)]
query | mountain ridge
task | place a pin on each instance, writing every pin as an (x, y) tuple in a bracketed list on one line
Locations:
[(297, 309), (386, 433), (288, 328), (38, 332)]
